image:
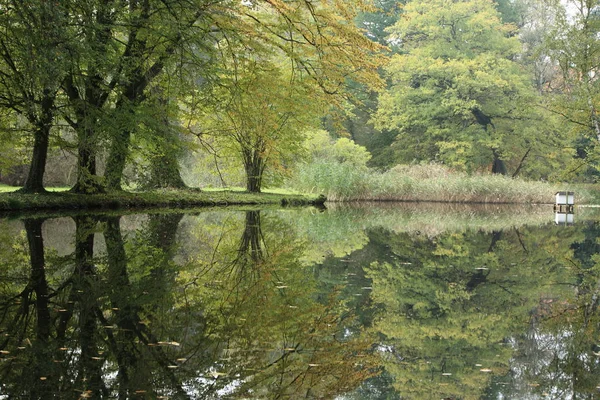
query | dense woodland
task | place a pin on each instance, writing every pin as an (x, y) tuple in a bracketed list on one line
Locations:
[(102, 95)]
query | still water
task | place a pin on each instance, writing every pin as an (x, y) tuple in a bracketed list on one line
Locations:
[(395, 302)]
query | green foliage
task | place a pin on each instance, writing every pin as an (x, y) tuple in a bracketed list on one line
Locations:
[(457, 95)]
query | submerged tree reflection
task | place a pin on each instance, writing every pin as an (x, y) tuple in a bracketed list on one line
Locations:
[(120, 318)]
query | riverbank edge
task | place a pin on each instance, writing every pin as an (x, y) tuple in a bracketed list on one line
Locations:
[(55, 201)]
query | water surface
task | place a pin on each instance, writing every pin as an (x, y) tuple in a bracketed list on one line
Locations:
[(370, 302)]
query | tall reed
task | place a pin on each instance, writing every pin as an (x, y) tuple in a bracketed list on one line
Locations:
[(345, 182)]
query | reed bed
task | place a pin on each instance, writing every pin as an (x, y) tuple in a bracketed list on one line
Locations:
[(345, 182)]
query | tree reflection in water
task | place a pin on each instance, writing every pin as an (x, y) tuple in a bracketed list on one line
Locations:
[(126, 320), (289, 304)]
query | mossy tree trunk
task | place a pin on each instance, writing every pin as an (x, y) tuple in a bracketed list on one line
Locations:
[(37, 167), (254, 165)]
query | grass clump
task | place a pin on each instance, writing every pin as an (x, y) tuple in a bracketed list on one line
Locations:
[(346, 182)]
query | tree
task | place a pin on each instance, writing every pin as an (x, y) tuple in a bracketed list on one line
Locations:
[(573, 47), (456, 93), (261, 115), (33, 46), (124, 48), (277, 78)]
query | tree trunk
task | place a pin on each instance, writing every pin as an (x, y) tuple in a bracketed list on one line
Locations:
[(254, 165), (165, 173), (498, 167), (115, 164), (37, 167), (88, 182)]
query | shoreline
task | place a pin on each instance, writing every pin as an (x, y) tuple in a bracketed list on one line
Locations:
[(15, 203)]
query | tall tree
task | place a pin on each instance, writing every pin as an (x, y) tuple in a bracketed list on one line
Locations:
[(260, 115), (33, 44), (125, 47), (456, 94), (280, 65)]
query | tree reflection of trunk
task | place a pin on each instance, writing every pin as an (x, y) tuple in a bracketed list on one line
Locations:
[(41, 371), (84, 294), (481, 275), (252, 238), (121, 301), (134, 374), (162, 231), (37, 282), (250, 252)]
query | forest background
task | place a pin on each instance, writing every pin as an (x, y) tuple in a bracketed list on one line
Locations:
[(103, 95)]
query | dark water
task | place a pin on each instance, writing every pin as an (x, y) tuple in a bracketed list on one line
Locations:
[(405, 301)]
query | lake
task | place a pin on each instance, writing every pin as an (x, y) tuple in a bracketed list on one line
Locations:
[(378, 301)]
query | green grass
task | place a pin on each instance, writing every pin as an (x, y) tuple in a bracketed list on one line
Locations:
[(7, 189), (280, 191), (345, 182)]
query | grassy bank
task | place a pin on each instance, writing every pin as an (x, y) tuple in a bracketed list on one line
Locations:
[(61, 200), (345, 182)]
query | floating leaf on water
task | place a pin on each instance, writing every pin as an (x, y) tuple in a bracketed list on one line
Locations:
[(166, 344)]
